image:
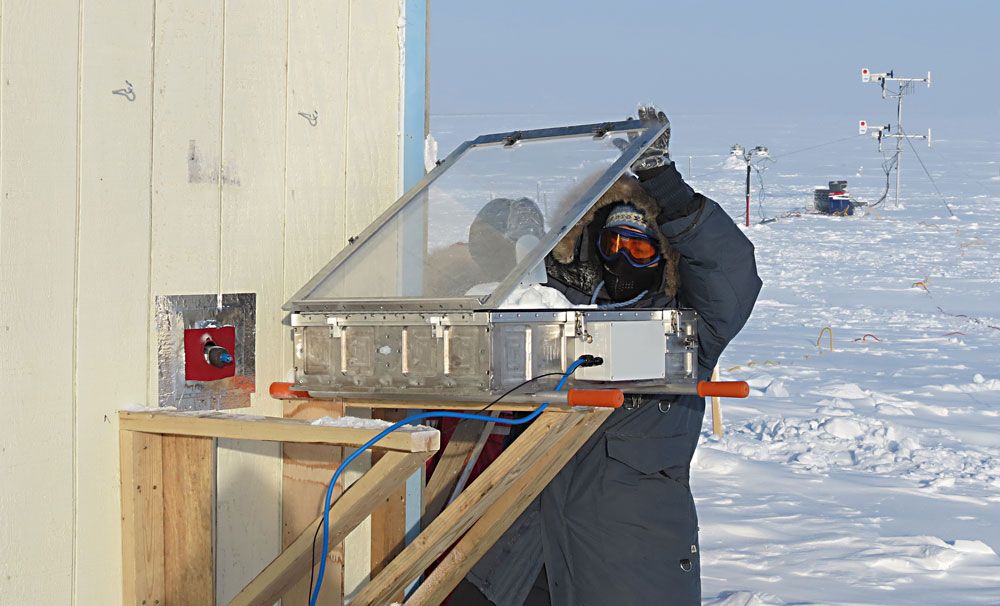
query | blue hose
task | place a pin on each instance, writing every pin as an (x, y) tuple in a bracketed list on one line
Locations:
[(418, 417)]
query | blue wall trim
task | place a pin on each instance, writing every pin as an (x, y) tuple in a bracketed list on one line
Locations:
[(414, 85)]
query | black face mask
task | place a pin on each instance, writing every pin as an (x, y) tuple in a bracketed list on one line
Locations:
[(623, 282)]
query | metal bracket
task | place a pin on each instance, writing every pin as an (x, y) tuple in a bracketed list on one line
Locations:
[(602, 131), (336, 326), (581, 329), (437, 326), (511, 140)]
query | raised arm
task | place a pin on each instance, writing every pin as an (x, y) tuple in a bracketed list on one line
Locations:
[(718, 273)]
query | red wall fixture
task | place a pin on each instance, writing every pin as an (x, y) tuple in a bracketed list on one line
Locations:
[(196, 364)]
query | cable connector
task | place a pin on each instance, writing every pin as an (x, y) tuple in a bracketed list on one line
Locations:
[(589, 360)]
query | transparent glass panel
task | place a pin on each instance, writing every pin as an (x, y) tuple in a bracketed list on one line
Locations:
[(465, 233)]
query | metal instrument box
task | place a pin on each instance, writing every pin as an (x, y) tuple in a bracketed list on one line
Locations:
[(419, 304), (480, 355)]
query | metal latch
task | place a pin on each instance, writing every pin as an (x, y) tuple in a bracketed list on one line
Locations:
[(336, 326), (437, 326), (602, 131), (581, 329)]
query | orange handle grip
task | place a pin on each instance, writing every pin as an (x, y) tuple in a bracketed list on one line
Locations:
[(284, 391), (723, 389), (605, 398)]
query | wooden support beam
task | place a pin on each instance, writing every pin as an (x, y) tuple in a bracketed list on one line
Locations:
[(388, 524), (188, 516), (142, 518), (498, 518), (275, 429), (305, 471), (449, 466), (458, 517), (347, 512)]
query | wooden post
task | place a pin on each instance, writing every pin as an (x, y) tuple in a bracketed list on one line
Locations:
[(142, 518), (188, 519), (305, 471), (716, 407), (388, 526)]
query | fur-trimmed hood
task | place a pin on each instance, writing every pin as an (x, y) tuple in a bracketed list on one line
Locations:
[(575, 260)]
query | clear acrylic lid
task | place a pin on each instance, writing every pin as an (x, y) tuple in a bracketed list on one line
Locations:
[(480, 223)]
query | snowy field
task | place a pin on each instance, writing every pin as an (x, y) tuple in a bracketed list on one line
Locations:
[(869, 474)]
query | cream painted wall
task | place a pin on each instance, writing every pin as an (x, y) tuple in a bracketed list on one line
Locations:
[(208, 178)]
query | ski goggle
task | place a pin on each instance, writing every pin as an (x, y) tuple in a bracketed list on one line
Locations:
[(638, 248)]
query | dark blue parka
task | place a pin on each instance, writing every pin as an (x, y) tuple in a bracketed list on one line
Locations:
[(617, 526)]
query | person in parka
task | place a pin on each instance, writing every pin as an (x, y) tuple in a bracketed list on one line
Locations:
[(617, 525)]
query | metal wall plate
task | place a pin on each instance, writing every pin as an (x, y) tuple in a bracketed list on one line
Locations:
[(174, 314)]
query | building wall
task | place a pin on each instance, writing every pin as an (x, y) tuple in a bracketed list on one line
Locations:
[(167, 147)]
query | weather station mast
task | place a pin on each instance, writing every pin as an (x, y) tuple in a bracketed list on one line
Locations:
[(903, 86)]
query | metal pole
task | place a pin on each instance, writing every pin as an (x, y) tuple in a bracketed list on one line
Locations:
[(690, 173), (899, 141), (748, 193)]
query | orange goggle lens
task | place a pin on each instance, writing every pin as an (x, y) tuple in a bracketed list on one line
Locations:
[(639, 247)]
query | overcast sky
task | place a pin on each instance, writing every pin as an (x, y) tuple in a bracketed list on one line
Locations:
[(734, 63)]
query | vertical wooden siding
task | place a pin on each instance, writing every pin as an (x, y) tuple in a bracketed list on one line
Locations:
[(201, 173), (38, 249)]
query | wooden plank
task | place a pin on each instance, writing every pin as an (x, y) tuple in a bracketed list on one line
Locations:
[(273, 429), (306, 470), (388, 520), (448, 468), (142, 518), (358, 542), (545, 431), (502, 514), (188, 516), (113, 271), (350, 509), (39, 44)]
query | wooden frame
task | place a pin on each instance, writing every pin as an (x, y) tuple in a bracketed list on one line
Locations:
[(168, 496), (167, 509)]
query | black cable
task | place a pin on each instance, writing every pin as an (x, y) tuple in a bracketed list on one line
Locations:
[(926, 172), (760, 197), (312, 564), (513, 389), (887, 166), (812, 147)]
